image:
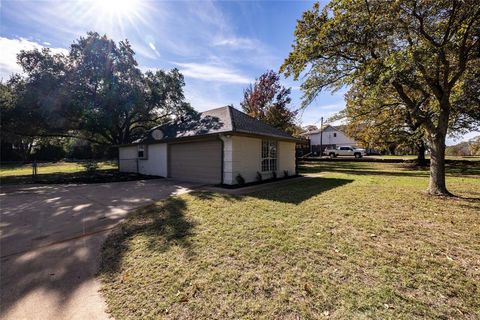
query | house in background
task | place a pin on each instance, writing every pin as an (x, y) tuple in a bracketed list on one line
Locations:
[(329, 137), (214, 147)]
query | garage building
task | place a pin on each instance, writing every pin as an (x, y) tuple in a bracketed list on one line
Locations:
[(219, 146)]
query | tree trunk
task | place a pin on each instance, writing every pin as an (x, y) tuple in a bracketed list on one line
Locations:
[(391, 149), (421, 161), (437, 185)]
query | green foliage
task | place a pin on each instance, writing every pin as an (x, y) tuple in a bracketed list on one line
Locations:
[(90, 166), (475, 146), (49, 149), (424, 53), (379, 122), (96, 92), (466, 148), (267, 100)]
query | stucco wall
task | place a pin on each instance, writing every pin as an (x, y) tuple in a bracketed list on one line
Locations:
[(286, 158), (246, 157), (127, 157), (243, 155), (155, 164)]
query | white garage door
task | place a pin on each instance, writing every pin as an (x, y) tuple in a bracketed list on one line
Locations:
[(196, 161)]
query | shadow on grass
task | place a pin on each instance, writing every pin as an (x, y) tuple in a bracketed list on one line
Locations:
[(100, 176), (162, 224), (287, 191), (470, 203), (364, 171), (299, 191), (399, 170)]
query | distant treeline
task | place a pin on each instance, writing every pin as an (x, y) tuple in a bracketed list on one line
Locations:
[(466, 148)]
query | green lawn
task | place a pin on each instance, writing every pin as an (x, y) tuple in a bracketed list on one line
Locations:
[(62, 172), (413, 157), (351, 241), (46, 168)]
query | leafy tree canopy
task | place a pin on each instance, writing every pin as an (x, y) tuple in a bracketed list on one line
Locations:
[(96, 92), (381, 122), (268, 100), (424, 52)]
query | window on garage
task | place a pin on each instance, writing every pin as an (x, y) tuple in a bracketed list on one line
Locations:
[(142, 151), (269, 155)]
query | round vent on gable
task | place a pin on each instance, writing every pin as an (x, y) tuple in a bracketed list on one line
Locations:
[(157, 134)]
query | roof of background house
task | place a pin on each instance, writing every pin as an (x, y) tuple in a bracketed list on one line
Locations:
[(338, 128), (221, 120)]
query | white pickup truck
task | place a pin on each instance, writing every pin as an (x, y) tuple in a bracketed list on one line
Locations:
[(345, 151)]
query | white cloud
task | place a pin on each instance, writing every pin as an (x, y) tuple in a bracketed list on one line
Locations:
[(10, 49), (199, 100), (237, 43), (210, 72)]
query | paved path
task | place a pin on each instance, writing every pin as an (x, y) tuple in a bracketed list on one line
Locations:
[(50, 243)]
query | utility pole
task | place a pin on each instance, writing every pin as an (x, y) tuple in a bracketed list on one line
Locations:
[(321, 137)]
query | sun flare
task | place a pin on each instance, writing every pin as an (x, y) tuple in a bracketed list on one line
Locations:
[(118, 8), (115, 17)]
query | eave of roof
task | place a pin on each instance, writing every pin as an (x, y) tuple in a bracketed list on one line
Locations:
[(210, 136)]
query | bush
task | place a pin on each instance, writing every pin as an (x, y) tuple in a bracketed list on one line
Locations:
[(259, 176), (240, 179), (49, 152), (90, 166), (80, 152), (274, 174), (285, 173)]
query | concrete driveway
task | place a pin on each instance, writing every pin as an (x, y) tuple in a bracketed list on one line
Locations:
[(50, 243)]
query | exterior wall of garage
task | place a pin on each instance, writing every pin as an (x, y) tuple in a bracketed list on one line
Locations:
[(243, 155), (127, 159), (286, 158), (155, 164)]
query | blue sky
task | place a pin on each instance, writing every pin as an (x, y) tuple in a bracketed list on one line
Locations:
[(220, 47)]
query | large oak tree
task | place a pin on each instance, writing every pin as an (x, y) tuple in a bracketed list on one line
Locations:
[(95, 92), (421, 49), (381, 121)]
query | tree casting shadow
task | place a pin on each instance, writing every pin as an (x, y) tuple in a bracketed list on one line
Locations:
[(162, 223), (298, 191), (51, 236), (401, 170), (289, 191)]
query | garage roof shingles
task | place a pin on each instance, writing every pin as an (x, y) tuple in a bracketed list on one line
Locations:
[(220, 120)]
